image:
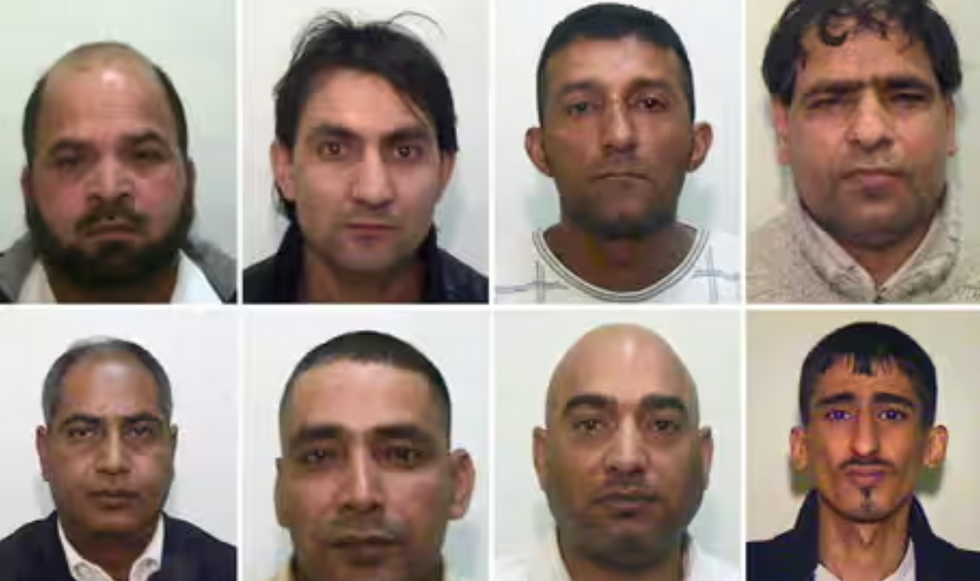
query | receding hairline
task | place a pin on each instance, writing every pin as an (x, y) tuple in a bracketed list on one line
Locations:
[(618, 332)]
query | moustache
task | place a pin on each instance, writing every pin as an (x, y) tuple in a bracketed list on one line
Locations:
[(115, 212), (871, 462), (349, 532)]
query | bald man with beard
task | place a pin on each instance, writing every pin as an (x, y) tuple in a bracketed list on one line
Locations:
[(624, 462)]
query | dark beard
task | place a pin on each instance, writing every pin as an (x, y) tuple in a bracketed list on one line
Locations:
[(656, 220), (114, 264)]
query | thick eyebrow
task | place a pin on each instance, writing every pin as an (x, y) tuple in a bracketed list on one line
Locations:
[(315, 433), (79, 418), (664, 402), (587, 400), (331, 130), (148, 136), (569, 88), (412, 133), (836, 88), (66, 145), (906, 82), (836, 399), (891, 398), (143, 417)]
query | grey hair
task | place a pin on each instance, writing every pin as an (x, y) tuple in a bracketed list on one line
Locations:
[(92, 346)]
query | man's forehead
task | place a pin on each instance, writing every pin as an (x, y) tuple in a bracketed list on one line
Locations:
[(620, 61), (361, 397), (364, 103), (863, 55), (107, 383), (105, 94), (881, 376)]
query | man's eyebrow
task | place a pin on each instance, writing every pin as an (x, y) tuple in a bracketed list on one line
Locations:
[(80, 418), (651, 84), (587, 400), (66, 144), (575, 87), (331, 130), (409, 133), (657, 402), (905, 82), (833, 87), (891, 398), (147, 136), (143, 417), (403, 432), (836, 399), (315, 433)]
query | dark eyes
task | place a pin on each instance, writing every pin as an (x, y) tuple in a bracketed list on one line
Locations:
[(889, 415), (587, 426)]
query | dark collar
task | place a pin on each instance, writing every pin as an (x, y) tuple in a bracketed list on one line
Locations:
[(288, 268), (930, 550)]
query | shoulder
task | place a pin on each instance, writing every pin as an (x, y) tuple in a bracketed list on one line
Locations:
[(774, 268), (28, 545), (463, 283), (768, 560), (511, 568), (712, 568), (258, 281), (191, 543), (220, 269)]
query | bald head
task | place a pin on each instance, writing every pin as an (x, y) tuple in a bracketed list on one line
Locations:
[(621, 361), (113, 62)]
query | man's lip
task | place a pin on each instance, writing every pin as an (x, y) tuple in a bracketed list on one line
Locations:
[(113, 228), (627, 499), (357, 541), (867, 476), (370, 226), (114, 493), (621, 175), (872, 172)]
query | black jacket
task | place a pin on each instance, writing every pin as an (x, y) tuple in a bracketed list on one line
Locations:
[(793, 555), (447, 280), (34, 553)]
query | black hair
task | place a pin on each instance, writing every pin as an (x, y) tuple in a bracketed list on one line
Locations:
[(55, 379), (34, 102), (333, 42), (868, 346), (918, 19), (373, 347), (610, 21)]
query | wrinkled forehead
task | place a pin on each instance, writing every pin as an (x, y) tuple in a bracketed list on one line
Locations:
[(360, 398), (106, 93)]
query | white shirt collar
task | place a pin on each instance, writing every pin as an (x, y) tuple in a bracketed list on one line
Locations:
[(147, 564), (286, 573), (905, 571), (192, 285)]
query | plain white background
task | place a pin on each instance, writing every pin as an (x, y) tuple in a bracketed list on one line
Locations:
[(198, 349), (530, 344), (457, 342), (460, 44), (526, 199), (193, 41), (777, 343), (769, 184)]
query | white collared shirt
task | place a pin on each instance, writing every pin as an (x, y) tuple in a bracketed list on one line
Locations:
[(192, 285), (905, 571), (147, 564), (546, 564)]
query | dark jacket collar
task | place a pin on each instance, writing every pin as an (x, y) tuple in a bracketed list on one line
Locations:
[(934, 557), (446, 279)]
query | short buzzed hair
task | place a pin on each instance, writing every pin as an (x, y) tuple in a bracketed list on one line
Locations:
[(32, 111), (372, 347), (54, 381)]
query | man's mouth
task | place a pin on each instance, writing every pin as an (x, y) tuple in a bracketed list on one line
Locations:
[(114, 498), (866, 477)]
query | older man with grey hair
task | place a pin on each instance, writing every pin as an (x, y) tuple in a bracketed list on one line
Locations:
[(107, 451)]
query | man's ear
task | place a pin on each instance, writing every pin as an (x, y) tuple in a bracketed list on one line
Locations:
[(541, 456), (464, 480), (798, 449), (190, 168), (281, 159), (26, 189), (703, 138), (936, 443), (41, 445), (282, 516), (707, 443), (534, 146), (952, 146), (780, 122)]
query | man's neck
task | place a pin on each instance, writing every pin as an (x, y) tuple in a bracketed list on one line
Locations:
[(882, 262), (154, 288), (620, 265), (670, 567), (322, 283), (436, 573), (863, 551), (115, 554)]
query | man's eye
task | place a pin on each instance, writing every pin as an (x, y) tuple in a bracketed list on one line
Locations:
[(80, 433), (331, 149), (652, 104), (142, 431), (893, 415), (580, 108), (408, 151), (666, 426), (318, 456), (908, 99), (838, 415), (588, 426), (826, 102), (403, 456), (67, 162), (149, 156)]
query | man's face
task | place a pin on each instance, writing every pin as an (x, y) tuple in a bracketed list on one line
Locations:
[(867, 136), (865, 444), (616, 135), (365, 173), (366, 484), (109, 197), (108, 453), (623, 462)]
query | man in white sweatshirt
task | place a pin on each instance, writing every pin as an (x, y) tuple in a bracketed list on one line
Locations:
[(624, 462)]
